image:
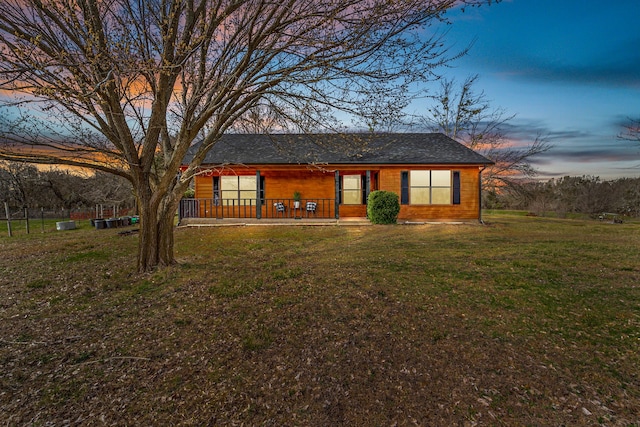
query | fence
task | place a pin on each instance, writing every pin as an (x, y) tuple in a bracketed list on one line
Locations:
[(17, 216), (249, 208)]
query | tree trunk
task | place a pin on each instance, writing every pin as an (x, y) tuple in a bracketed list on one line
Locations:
[(155, 241)]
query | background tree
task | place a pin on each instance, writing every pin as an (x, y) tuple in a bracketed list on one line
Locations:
[(627, 196), (383, 111), (132, 83), (18, 184), (24, 186), (73, 190), (575, 195), (540, 196), (631, 131), (464, 114)]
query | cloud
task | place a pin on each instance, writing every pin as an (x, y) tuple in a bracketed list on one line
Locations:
[(613, 74), (613, 69), (591, 150), (575, 43), (528, 130), (577, 152), (623, 122)]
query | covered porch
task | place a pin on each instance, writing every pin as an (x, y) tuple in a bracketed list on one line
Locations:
[(267, 209)]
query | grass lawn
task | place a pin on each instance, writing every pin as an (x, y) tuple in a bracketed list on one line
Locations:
[(524, 321)]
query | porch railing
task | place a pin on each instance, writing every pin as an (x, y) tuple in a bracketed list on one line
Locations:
[(250, 208)]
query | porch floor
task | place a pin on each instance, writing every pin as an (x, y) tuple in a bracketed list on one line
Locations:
[(238, 222), (213, 222)]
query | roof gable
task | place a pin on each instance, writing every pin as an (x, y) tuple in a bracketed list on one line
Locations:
[(350, 148)]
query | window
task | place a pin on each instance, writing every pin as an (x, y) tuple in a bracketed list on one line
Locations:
[(238, 190), (419, 187), (352, 190), (440, 187), (426, 187)]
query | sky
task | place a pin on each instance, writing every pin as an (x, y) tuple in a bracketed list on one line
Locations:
[(568, 69)]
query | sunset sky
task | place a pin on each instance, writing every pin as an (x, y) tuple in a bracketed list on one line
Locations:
[(568, 69)]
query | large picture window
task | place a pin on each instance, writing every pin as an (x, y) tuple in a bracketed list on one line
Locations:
[(238, 190), (426, 187)]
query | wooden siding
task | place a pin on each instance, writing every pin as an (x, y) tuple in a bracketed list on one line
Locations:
[(353, 211), (317, 183), (203, 186), (312, 184), (468, 208)]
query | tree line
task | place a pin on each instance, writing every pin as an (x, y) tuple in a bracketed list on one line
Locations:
[(567, 195), (25, 186)]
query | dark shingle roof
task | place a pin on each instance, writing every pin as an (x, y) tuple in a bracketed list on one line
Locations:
[(351, 148)]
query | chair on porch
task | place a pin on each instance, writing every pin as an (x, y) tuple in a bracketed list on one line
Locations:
[(311, 208), (280, 208)]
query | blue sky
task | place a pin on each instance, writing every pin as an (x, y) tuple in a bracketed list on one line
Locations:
[(568, 69)]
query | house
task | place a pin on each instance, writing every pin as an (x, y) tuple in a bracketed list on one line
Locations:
[(331, 175)]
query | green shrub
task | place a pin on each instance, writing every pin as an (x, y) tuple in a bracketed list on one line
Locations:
[(383, 207)]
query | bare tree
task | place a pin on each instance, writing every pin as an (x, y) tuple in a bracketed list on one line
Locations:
[(85, 190), (467, 116), (18, 183), (259, 119), (631, 131), (126, 86), (575, 194), (23, 185), (383, 111)]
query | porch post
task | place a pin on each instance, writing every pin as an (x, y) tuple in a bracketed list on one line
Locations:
[(258, 194), (337, 196), (367, 186)]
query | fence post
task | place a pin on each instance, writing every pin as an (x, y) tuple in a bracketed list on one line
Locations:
[(42, 217), (26, 218), (6, 209)]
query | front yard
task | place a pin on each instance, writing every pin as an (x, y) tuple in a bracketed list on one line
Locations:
[(524, 321)]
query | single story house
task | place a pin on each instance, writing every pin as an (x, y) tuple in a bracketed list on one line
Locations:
[(330, 176)]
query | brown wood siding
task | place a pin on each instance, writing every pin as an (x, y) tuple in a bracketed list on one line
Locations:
[(203, 186), (390, 180), (312, 184), (319, 184), (353, 211), (280, 182)]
